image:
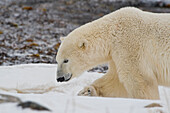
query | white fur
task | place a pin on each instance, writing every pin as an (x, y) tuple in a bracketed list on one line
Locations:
[(136, 44)]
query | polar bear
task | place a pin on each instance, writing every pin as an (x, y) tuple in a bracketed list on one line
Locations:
[(135, 44)]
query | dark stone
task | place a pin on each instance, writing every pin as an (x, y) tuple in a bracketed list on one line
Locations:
[(33, 105)]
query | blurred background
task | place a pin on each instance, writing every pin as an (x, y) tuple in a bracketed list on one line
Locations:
[(30, 29)]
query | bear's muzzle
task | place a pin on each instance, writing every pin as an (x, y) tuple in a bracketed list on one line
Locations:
[(63, 77)]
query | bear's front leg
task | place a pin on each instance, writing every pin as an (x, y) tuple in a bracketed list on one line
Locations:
[(136, 81), (139, 86), (106, 86)]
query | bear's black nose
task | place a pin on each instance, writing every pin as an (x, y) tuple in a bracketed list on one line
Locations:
[(61, 79)]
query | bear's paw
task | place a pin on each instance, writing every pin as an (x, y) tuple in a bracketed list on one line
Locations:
[(88, 91)]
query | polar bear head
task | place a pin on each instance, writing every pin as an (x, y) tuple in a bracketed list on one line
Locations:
[(82, 49)]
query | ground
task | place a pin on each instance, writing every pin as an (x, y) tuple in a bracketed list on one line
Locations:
[(29, 33), (61, 97)]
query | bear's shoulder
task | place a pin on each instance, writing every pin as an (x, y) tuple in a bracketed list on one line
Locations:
[(129, 9)]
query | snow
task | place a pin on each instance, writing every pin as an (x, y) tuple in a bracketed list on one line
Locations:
[(37, 83)]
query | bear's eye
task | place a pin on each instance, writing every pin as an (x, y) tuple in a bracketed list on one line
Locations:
[(65, 61)]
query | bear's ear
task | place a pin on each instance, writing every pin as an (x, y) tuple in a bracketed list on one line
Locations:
[(82, 44), (62, 39)]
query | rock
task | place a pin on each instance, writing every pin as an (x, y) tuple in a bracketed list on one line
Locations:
[(8, 98), (33, 105), (1, 32), (12, 24), (35, 55), (27, 8)]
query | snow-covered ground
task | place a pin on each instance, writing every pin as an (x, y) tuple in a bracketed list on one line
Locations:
[(37, 83)]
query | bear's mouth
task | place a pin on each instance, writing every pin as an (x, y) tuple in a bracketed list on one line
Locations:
[(68, 78), (65, 77)]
